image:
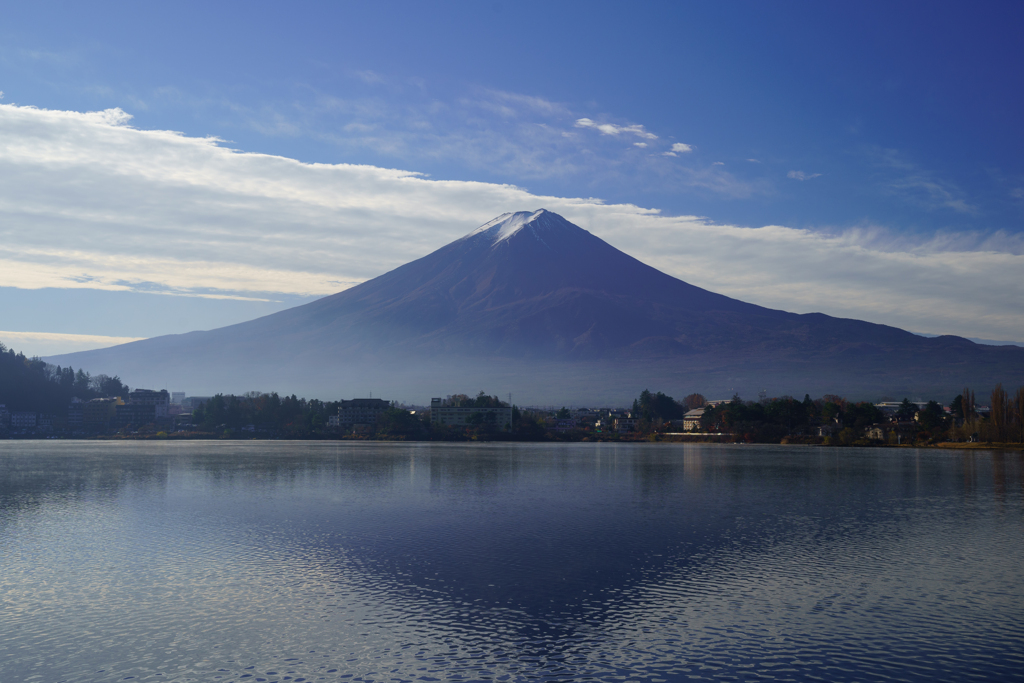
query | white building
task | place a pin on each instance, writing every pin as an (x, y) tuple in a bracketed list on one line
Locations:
[(692, 419)]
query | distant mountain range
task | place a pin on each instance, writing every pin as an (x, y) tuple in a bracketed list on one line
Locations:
[(531, 304)]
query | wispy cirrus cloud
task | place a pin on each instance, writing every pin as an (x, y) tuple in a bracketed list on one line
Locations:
[(515, 105), (800, 175), (713, 178), (368, 76), (484, 132), (87, 201), (499, 134), (918, 185), (931, 193)]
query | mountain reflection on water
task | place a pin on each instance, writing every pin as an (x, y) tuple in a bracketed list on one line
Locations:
[(250, 561)]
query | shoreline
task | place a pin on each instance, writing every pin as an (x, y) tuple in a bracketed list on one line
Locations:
[(711, 439)]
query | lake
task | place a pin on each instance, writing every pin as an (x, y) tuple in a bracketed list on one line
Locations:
[(327, 561)]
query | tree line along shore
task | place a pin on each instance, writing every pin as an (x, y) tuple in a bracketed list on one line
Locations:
[(31, 387)]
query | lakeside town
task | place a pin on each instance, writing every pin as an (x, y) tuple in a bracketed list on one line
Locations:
[(45, 401)]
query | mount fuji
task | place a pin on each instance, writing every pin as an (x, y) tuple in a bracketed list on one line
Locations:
[(532, 304)]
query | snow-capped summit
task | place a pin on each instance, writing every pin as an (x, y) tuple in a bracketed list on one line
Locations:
[(508, 224)]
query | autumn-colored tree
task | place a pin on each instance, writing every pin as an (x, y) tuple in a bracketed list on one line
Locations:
[(694, 401), (839, 401)]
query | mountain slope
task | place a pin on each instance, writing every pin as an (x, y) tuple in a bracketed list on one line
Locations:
[(530, 290)]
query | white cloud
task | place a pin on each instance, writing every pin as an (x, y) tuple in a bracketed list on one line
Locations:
[(612, 129), (640, 144), (677, 149), (88, 201), (800, 175)]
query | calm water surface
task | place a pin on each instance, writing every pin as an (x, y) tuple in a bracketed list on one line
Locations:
[(439, 562)]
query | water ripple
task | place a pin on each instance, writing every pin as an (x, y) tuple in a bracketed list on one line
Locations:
[(319, 562)]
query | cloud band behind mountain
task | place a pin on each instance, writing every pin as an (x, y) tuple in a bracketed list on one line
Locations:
[(88, 201)]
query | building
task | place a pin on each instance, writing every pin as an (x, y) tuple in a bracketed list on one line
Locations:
[(827, 429), (98, 413), (193, 402), (137, 414), (585, 416), (177, 397), (23, 420), (906, 429), (692, 419), (334, 420), (361, 411), (564, 425), (5, 417), (890, 408), (441, 413), (625, 424), (160, 400), (75, 413), (182, 422)]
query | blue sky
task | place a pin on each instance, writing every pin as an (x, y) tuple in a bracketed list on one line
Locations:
[(883, 141)]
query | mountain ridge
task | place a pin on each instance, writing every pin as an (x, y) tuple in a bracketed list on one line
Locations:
[(530, 289)]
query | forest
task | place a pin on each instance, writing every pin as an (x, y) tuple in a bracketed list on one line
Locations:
[(31, 384)]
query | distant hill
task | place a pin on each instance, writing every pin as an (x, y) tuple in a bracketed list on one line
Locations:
[(532, 304)]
